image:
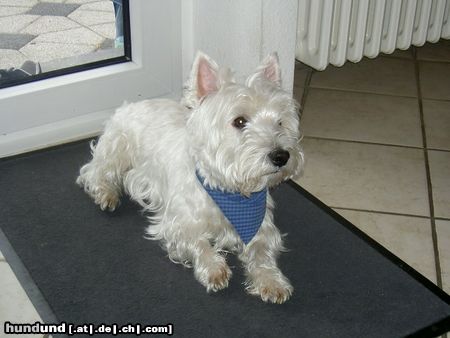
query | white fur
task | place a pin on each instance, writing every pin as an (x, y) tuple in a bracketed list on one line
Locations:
[(151, 149)]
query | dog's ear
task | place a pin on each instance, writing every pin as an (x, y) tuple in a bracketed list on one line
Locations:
[(207, 75), (203, 80), (269, 69)]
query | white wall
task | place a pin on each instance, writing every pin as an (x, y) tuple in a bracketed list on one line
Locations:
[(239, 34)]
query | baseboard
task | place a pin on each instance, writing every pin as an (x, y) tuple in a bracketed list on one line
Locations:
[(53, 134)]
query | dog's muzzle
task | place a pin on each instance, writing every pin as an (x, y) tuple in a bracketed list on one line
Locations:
[(279, 157)]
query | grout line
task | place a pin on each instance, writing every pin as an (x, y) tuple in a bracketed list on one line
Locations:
[(434, 61), (374, 143), (364, 142), (442, 219), (439, 150), (361, 91), (306, 85), (381, 212), (428, 174), (374, 93), (390, 56)]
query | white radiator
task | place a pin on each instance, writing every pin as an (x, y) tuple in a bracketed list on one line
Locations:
[(333, 31)]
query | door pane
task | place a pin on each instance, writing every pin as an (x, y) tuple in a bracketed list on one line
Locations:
[(40, 39)]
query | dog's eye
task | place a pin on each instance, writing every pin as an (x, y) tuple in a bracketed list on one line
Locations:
[(239, 122)]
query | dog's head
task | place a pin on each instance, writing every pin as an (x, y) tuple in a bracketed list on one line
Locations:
[(245, 137)]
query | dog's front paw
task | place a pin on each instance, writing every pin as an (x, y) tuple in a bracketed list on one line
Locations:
[(271, 286), (107, 200), (218, 279), (214, 277)]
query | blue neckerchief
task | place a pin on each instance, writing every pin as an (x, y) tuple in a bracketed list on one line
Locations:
[(244, 213)]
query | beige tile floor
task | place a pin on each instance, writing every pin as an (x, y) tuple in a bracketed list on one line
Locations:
[(377, 147)]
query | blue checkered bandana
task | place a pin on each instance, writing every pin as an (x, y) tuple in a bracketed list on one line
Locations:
[(244, 213)]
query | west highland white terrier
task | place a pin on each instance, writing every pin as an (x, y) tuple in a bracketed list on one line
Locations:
[(203, 167)]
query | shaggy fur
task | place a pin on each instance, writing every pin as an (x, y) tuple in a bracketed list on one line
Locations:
[(152, 149)]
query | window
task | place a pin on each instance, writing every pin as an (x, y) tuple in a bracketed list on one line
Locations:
[(75, 105), (43, 39)]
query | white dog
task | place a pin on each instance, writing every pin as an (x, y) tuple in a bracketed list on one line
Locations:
[(225, 142)]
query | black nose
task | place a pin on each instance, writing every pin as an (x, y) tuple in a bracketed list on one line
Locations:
[(279, 157)]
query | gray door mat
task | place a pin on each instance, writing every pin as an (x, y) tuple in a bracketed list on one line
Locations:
[(81, 265)]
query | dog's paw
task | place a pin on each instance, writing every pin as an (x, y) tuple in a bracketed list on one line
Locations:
[(107, 200), (271, 287), (276, 293), (218, 278), (215, 277)]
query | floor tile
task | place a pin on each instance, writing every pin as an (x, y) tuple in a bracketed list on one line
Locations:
[(13, 24), (48, 51), (435, 51), (58, 9), (364, 176), (401, 235), (362, 117), (381, 75), (14, 41), (47, 24), (435, 80), (437, 124), (300, 73), (15, 305), (443, 237), (11, 58), (440, 181)]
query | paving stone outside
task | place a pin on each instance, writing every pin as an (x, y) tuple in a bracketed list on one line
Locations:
[(19, 3), (9, 10), (76, 36), (47, 24), (48, 51), (102, 6), (56, 9), (51, 30), (89, 18), (104, 30), (11, 58), (14, 41), (13, 24)]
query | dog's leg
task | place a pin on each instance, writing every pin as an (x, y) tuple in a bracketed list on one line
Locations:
[(210, 268), (102, 176), (264, 278)]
